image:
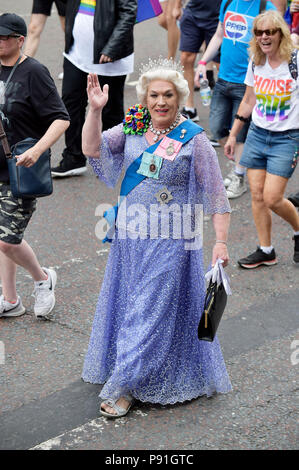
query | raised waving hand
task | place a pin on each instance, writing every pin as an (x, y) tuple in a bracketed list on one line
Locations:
[(97, 97)]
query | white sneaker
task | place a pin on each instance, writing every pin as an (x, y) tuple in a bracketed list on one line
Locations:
[(228, 179), (60, 76), (237, 187), (190, 114), (44, 294), (7, 309)]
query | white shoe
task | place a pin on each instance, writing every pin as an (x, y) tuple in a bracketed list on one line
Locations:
[(63, 173), (60, 76), (7, 309), (237, 187), (228, 179), (214, 142), (44, 294)]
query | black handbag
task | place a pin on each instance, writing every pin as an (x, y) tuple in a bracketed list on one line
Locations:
[(34, 181), (215, 302), (31, 182)]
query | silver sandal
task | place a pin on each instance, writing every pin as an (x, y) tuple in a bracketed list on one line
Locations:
[(120, 411)]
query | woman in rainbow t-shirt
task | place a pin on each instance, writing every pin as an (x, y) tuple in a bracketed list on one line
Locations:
[(272, 146)]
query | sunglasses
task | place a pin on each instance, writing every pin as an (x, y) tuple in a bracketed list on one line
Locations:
[(268, 32), (6, 38)]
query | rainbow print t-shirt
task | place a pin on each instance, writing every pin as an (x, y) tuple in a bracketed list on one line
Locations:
[(81, 54), (87, 7), (276, 93)]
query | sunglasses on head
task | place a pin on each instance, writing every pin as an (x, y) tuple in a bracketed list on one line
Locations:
[(268, 32), (6, 38)]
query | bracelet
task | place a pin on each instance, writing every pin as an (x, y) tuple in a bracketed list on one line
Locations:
[(202, 62), (242, 118), (221, 241)]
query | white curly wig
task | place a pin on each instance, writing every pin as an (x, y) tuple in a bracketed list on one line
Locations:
[(172, 76)]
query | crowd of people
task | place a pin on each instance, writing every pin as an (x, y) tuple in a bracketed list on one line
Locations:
[(143, 343)]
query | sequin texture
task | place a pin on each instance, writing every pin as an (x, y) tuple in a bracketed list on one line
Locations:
[(144, 335)]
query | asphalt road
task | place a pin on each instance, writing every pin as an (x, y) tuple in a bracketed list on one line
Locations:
[(45, 405)]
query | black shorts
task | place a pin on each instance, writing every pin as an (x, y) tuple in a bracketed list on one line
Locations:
[(44, 7), (192, 36)]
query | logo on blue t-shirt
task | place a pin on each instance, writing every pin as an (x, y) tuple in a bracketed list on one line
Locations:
[(237, 27), (237, 33)]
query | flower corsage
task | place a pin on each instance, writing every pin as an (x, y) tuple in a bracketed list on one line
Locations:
[(136, 120)]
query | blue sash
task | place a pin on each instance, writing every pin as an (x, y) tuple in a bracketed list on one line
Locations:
[(182, 133)]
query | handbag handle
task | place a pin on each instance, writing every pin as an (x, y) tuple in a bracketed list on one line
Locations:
[(210, 291), (4, 141)]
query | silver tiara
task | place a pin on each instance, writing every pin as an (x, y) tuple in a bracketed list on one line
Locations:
[(161, 63)]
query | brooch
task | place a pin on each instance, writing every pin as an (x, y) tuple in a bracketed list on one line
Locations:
[(168, 148), (163, 196), (150, 165), (183, 132)]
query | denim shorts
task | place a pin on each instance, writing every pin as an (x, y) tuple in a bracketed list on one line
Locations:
[(275, 152), (226, 99), (15, 214), (192, 36)]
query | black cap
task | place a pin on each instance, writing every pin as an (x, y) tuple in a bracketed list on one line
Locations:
[(11, 23)]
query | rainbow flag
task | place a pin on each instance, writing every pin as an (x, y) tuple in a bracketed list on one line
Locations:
[(87, 7), (148, 9)]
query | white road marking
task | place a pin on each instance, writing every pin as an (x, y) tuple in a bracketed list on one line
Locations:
[(77, 435)]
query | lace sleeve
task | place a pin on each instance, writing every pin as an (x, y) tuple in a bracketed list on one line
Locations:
[(109, 166), (208, 176)]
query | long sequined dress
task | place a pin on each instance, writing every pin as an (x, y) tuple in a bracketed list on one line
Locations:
[(144, 335)]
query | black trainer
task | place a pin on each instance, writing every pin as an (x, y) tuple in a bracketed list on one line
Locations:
[(190, 114), (296, 248), (294, 198), (257, 259), (68, 167)]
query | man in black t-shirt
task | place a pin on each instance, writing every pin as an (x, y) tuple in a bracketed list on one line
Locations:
[(197, 24), (29, 107)]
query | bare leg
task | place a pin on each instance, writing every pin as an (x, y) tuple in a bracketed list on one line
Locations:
[(21, 255), (188, 60), (260, 211), (238, 154), (173, 35), (35, 28), (62, 22), (8, 278), (162, 18), (274, 199)]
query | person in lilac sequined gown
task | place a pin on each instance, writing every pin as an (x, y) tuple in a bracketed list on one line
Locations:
[(144, 341)]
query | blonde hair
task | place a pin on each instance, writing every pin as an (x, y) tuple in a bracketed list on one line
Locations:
[(286, 45), (172, 76)]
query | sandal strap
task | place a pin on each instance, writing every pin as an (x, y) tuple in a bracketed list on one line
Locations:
[(110, 402), (119, 409)]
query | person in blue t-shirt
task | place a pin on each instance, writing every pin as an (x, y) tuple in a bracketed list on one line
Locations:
[(198, 23), (233, 34)]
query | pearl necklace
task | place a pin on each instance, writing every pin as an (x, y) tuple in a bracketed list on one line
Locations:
[(164, 131)]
